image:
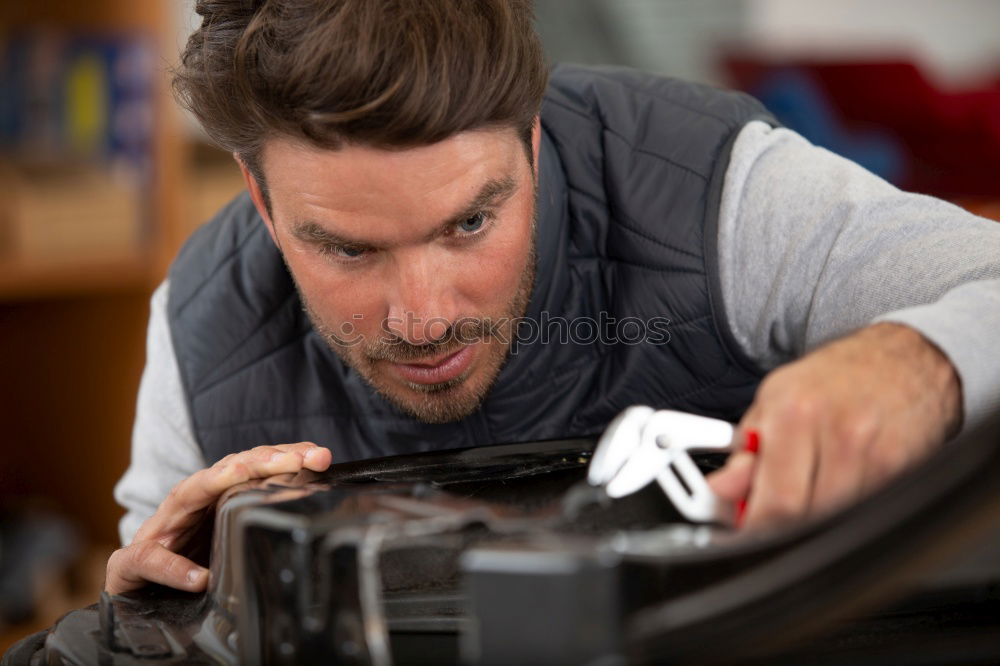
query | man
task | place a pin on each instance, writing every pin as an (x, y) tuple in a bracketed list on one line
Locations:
[(432, 256)]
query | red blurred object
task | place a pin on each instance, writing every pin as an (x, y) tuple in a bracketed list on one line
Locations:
[(741, 510), (952, 139)]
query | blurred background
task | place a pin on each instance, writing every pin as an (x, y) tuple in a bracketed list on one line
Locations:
[(103, 179)]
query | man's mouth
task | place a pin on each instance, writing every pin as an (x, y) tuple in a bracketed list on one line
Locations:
[(437, 370)]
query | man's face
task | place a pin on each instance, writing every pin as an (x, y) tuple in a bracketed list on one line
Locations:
[(411, 263)]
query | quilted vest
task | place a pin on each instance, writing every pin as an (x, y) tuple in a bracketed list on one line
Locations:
[(631, 171)]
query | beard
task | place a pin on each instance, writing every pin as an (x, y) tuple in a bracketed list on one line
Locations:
[(450, 400)]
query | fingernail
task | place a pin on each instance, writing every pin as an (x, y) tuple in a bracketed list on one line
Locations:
[(315, 454), (195, 576), (753, 441)]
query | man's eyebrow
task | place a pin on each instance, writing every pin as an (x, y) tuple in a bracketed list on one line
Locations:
[(313, 233), (493, 192)]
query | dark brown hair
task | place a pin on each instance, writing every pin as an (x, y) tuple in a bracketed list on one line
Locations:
[(387, 73)]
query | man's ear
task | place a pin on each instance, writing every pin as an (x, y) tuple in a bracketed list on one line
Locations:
[(536, 144), (253, 187)]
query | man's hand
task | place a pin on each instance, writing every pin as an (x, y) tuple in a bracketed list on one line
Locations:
[(152, 556), (839, 422)]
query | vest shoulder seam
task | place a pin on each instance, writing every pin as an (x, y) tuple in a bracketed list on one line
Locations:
[(649, 153), (642, 151), (229, 375), (230, 257), (605, 76), (710, 258), (627, 222)]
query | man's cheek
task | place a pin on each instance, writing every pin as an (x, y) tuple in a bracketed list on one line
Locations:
[(503, 266), (351, 331)]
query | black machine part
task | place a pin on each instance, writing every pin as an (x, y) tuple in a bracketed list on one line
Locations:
[(499, 555)]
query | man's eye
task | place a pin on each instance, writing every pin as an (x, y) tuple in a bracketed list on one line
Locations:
[(472, 224), (345, 251)]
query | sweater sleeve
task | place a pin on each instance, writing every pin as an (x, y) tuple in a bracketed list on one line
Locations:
[(164, 450), (812, 246)]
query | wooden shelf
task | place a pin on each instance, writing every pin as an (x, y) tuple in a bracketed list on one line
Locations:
[(27, 280), (74, 300), (145, 15)]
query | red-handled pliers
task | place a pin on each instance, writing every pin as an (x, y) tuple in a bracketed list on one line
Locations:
[(642, 445)]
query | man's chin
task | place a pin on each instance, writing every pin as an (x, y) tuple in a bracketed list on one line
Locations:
[(445, 401), (435, 403)]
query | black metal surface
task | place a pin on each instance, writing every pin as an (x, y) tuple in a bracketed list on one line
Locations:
[(537, 605), (499, 555), (823, 571)]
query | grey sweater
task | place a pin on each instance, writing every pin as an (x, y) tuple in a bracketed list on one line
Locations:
[(811, 247)]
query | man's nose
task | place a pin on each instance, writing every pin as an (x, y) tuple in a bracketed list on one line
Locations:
[(422, 306)]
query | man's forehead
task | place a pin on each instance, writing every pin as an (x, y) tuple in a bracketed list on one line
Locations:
[(286, 161)]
